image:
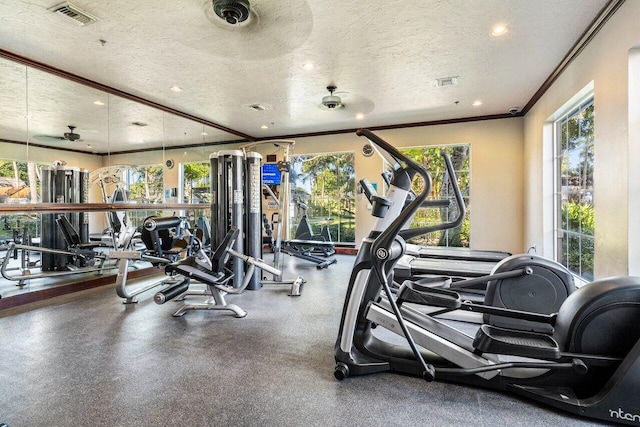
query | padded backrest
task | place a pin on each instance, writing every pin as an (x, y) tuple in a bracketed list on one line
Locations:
[(70, 234), (221, 255)]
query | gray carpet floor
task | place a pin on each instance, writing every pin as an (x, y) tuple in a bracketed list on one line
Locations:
[(88, 360)]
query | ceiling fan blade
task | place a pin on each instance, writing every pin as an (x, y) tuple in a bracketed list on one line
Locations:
[(49, 137)]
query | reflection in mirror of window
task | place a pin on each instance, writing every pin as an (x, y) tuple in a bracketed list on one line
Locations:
[(145, 183), (195, 182), (20, 181), (195, 187)]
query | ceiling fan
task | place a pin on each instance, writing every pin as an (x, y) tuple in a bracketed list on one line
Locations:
[(354, 105), (67, 136)]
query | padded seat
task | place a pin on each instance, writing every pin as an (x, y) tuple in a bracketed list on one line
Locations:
[(215, 279)]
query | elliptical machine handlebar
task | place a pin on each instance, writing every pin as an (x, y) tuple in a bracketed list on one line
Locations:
[(381, 248), (385, 239), (414, 232), (393, 157)]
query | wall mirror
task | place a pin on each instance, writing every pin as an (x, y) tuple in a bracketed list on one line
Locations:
[(47, 119)]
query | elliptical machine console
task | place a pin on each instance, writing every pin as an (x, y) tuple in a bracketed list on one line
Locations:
[(586, 363)]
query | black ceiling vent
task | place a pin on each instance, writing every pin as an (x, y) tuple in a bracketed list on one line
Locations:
[(232, 11)]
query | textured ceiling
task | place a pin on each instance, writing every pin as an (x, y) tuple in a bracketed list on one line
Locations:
[(383, 55)]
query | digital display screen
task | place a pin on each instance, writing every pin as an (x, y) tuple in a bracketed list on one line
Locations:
[(271, 174)]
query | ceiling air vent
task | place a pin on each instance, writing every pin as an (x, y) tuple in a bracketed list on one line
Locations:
[(74, 13), (139, 124), (447, 81)]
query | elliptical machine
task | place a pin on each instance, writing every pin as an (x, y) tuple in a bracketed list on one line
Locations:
[(588, 365), (523, 282)]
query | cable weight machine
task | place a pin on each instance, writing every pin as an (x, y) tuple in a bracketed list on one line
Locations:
[(236, 202), (63, 184), (227, 204)]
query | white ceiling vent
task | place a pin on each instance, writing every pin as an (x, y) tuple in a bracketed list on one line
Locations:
[(447, 81), (74, 13)]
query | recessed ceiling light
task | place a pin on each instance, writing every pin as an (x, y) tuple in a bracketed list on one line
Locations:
[(359, 116), (499, 30), (98, 102), (308, 66), (89, 146), (477, 103), (264, 127), (204, 134), (176, 88)]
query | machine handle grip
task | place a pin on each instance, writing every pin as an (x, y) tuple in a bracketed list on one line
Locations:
[(257, 262), (414, 232)]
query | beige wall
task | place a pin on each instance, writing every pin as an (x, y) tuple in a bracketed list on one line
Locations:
[(604, 62), (496, 174)]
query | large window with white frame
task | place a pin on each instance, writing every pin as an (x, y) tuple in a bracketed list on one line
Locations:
[(574, 196), (325, 184)]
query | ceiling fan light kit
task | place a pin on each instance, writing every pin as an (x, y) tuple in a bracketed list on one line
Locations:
[(71, 136), (332, 101)]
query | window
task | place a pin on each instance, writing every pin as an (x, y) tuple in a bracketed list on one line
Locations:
[(431, 159), (326, 185), (574, 166)]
